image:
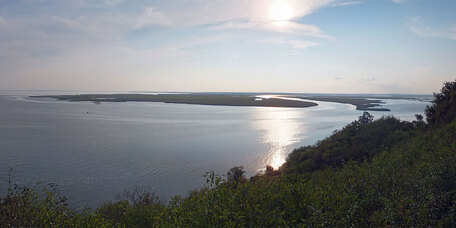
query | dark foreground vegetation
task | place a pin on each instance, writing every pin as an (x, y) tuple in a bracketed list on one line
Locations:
[(385, 172)]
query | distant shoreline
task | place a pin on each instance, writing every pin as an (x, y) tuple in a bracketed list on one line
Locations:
[(362, 104), (223, 100)]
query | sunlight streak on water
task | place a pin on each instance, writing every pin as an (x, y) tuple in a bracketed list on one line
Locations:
[(281, 127)]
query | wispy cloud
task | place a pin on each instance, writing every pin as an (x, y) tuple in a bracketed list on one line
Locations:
[(235, 25), (287, 27), (350, 3), (296, 44), (200, 12), (151, 16), (234, 14), (53, 26), (420, 28), (109, 16), (346, 3), (366, 79), (113, 2), (298, 28)]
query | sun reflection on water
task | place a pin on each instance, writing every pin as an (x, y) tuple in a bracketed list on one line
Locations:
[(282, 128)]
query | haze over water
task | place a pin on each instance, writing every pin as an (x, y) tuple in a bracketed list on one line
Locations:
[(93, 152)]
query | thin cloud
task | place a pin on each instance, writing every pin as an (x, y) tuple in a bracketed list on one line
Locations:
[(151, 16), (346, 3), (235, 25), (422, 29), (112, 2), (289, 27), (297, 28), (366, 79), (234, 14), (296, 44), (200, 12), (74, 24)]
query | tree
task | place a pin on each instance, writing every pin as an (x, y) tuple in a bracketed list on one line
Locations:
[(140, 196), (236, 174), (419, 118), (366, 118), (419, 122), (443, 108)]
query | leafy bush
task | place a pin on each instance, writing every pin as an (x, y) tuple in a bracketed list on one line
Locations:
[(42, 206), (358, 141), (236, 174), (443, 108)]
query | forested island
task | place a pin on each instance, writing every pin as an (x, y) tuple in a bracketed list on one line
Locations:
[(227, 99), (371, 173)]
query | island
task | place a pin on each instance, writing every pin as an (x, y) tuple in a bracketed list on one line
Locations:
[(231, 99), (201, 99), (361, 103)]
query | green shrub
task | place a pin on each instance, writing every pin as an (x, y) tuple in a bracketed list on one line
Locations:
[(443, 108)]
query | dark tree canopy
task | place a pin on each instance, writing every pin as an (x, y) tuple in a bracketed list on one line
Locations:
[(366, 118), (419, 118), (358, 141), (236, 174), (443, 108)]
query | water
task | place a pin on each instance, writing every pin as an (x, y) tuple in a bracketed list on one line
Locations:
[(93, 152)]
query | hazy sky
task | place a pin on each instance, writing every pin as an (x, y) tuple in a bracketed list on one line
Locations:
[(365, 46)]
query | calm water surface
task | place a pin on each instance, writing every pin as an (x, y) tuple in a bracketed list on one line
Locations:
[(93, 152)]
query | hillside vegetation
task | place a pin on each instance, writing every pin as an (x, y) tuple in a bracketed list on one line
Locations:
[(385, 172)]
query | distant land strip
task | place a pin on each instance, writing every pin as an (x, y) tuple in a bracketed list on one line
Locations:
[(362, 104), (201, 99)]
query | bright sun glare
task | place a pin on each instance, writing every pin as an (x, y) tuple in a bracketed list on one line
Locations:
[(280, 11)]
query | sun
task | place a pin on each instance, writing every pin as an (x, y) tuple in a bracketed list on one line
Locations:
[(280, 11)]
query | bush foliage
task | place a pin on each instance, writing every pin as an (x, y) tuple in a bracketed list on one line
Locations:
[(385, 172), (443, 107)]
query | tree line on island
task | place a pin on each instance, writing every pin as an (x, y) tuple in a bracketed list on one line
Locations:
[(383, 172)]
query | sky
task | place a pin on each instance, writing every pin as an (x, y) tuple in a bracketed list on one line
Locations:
[(297, 46)]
